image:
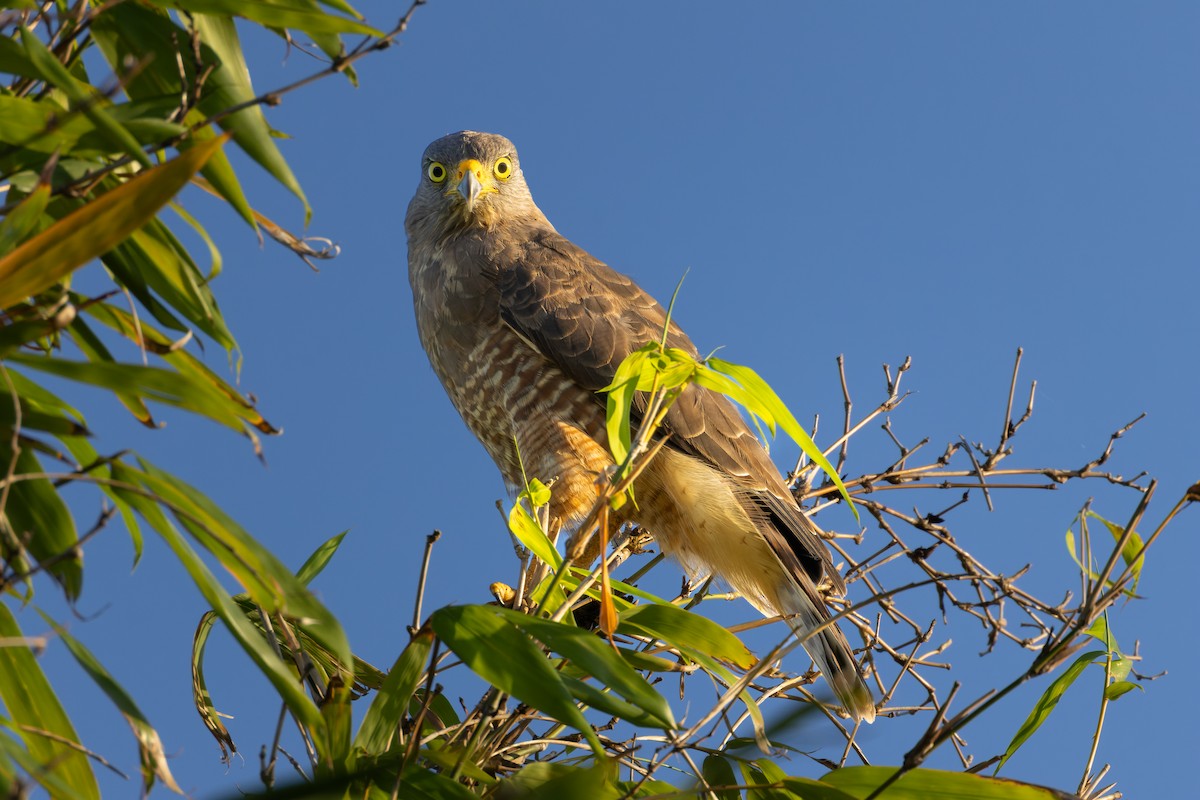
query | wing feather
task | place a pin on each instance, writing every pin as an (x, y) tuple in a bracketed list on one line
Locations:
[(585, 318)]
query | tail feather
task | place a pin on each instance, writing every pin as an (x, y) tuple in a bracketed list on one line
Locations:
[(832, 653)]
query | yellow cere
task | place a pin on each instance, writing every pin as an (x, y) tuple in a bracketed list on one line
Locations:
[(469, 165)]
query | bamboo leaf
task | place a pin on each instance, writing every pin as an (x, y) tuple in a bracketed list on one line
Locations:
[(84, 98), (153, 759), (32, 704), (38, 517), (201, 697), (1118, 688), (152, 383), (925, 784), (684, 629), (1131, 553), (762, 393), (269, 583), (98, 226), (21, 221), (147, 337), (229, 85), (450, 757), (97, 352), (13, 58), (530, 533), (1048, 701), (594, 656), (331, 43), (388, 708), (507, 658), (53, 783), (164, 265), (320, 558), (280, 675), (133, 33), (619, 403), (718, 773), (274, 14), (553, 781)]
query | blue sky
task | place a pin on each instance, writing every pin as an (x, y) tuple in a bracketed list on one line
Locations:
[(946, 181)]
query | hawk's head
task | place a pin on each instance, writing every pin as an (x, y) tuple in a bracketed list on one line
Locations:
[(471, 179)]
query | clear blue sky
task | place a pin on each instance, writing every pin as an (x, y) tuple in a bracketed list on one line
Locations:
[(943, 180)]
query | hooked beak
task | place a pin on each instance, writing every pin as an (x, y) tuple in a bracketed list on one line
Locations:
[(471, 182)]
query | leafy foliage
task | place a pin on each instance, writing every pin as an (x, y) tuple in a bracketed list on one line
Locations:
[(92, 167)]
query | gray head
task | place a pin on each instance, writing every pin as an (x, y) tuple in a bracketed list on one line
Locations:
[(470, 179)]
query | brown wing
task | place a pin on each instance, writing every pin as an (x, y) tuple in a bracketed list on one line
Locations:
[(586, 317)]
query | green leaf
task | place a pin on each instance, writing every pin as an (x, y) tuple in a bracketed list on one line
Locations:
[(440, 713), (219, 177), (608, 703), (152, 383), (21, 221), (620, 399), (1100, 631), (1048, 701), (1131, 553), (507, 658), (389, 705), (530, 533), (153, 759), (555, 781), (16, 334), (313, 565), (647, 663), (35, 416), (776, 784), (32, 704), (280, 674), (213, 252), (96, 227), (201, 697), (331, 43), (1071, 549), (13, 58), (164, 265), (269, 583), (1118, 688), (816, 790), (97, 352), (718, 772), (274, 14), (38, 517), (700, 640), (229, 85), (928, 784), (84, 98), (452, 756), (131, 32), (596, 657), (145, 336), (43, 126), (333, 749), (684, 629), (763, 394), (53, 783)]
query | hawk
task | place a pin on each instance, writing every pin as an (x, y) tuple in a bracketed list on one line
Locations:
[(524, 328)]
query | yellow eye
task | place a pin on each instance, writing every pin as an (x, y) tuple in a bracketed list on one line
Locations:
[(503, 168), (436, 172)]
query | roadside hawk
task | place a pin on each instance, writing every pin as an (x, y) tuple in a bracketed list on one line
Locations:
[(523, 328)]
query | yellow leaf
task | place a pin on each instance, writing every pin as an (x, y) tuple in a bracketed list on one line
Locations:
[(97, 227)]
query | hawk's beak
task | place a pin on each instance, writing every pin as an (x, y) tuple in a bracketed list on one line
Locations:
[(471, 182)]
